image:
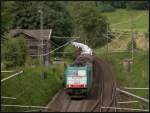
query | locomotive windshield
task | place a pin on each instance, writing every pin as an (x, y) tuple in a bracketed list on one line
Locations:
[(76, 72), (81, 73)]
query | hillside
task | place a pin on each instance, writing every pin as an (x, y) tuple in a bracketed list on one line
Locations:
[(121, 29), (120, 20), (139, 75), (30, 88)]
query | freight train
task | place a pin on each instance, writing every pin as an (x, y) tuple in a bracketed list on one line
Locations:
[(78, 79)]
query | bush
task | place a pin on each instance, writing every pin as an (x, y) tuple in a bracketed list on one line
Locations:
[(30, 61), (14, 52), (71, 54)]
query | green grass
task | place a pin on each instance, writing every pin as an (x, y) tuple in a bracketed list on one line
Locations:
[(122, 15), (6, 74), (134, 78), (31, 89)]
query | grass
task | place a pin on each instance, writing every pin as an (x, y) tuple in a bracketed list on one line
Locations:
[(139, 75), (119, 19), (31, 89), (116, 44), (6, 74), (136, 77)]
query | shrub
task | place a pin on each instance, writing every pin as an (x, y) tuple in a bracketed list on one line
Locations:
[(14, 52), (30, 61), (71, 54)]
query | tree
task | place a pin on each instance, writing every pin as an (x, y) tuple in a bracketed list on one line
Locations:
[(14, 52), (6, 17), (55, 17), (93, 26), (138, 5)]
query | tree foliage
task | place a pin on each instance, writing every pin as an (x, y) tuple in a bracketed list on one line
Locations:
[(71, 52), (118, 4), (6, 17), (55, 17), (138, 5), (93, 26), (14, 52)]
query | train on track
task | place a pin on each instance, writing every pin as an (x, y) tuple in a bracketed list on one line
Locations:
[(78, 79)]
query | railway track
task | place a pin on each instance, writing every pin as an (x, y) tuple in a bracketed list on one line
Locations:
[(107, 95), (103, 93)]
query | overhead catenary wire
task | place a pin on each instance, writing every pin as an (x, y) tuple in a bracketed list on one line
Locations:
[(32, 110), (24, 106), (133, 95), (113, 51), (125, 108), (64, 37), (55, 43), (126, 102), (136, 88), (11, 76), (7, 71), (54, 49), (8, 97), (128, 20)]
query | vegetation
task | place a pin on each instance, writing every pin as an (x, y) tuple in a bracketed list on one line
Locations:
[(30, 89), (106, 8), (138, 77), (94, 27), (138, 5), (90, 21), (70, 52), (6, 18), (90, 25), (55, 16), (14, 52), (120, 20), (130, 44)]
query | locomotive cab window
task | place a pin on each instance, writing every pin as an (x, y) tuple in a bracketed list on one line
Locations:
[(81, 73)]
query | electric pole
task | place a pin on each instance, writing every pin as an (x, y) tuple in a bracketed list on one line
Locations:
[(41, 42), (132, 35), (107, 38)]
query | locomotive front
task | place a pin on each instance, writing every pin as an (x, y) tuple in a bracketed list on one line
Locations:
[(78, 80)]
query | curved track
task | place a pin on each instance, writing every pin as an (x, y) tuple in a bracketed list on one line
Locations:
[(103, 93)]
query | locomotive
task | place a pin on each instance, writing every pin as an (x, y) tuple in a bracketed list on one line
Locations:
[(78, 79)]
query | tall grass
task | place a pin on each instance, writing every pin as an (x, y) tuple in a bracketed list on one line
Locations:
[(122, 16), (30, 88), (138, 77)]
